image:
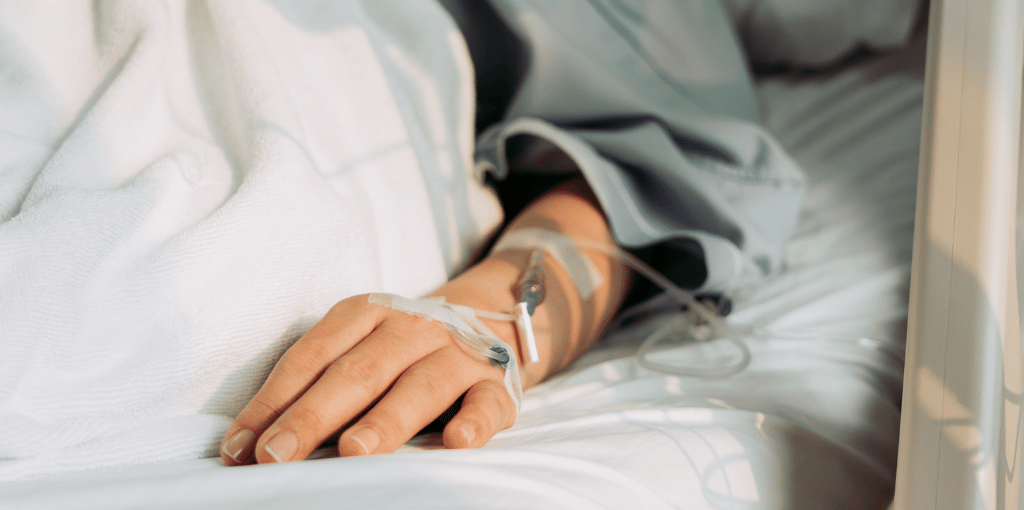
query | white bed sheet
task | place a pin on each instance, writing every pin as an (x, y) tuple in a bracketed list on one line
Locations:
[(812, 423)]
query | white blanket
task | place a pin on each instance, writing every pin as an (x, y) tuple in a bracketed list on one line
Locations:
[(187, 187)]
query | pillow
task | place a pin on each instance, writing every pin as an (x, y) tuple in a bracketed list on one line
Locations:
[(815, 33)]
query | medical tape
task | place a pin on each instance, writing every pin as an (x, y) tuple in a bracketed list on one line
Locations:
[(703, 324), (563, 249), (524, 328), (464, 324)]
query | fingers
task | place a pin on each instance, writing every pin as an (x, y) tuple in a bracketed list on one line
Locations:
[(420, 395), (365, 369), (347, 363), (486, 410), (347, 387), (342, 327)]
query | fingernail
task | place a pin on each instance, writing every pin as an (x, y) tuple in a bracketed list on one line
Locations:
[(468, 432), (282, 447), (368, 438), (237, 444)]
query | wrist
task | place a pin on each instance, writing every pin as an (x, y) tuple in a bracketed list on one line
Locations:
[(571, 318), (490, 286)]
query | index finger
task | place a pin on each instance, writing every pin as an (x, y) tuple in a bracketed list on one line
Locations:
[(344, 325)]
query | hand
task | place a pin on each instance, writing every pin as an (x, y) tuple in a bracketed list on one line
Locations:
[(403, 371)]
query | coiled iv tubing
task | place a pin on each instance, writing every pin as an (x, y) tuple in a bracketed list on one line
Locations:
[(720, 329)]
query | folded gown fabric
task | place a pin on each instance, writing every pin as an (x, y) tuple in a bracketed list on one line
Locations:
[(651, 100)]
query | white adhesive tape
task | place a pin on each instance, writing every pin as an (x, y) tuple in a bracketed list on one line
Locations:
[(463, 324), (524, 327), (563, 249)]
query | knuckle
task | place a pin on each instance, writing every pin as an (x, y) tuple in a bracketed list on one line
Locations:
[(306, 418), (356, 375), (352, 302), (435, 384), (304, 357), (258, 413), (261, 405), (427, 331)]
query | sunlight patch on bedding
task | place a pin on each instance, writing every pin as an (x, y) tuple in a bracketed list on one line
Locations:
[(721, 403), (870, 343), (609, 372), (734, 477), (682, 416), (673, 385), (533, 402)]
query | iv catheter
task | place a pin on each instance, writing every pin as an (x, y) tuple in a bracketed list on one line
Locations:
[(530, 293), (697, 316)]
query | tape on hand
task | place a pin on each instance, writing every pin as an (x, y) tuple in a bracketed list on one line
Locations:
[(464, 324)]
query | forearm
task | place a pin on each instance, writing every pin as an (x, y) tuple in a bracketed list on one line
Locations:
[(565, 324)]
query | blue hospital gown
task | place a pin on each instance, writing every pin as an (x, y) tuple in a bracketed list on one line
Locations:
[(655, 110)]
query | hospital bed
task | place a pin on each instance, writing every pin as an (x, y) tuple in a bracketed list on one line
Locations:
[(814, 421), (960, 439)]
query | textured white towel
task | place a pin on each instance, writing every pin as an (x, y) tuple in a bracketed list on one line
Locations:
[(186, 187)]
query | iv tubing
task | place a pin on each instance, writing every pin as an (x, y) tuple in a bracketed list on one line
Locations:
[(549, 241), (719, 328)]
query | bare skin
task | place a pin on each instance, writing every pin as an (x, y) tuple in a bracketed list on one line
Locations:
[(379, 376)]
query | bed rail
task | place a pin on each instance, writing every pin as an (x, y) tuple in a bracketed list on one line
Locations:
[(961, 435)]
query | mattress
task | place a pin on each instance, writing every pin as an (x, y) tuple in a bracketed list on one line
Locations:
[(811, 423)]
